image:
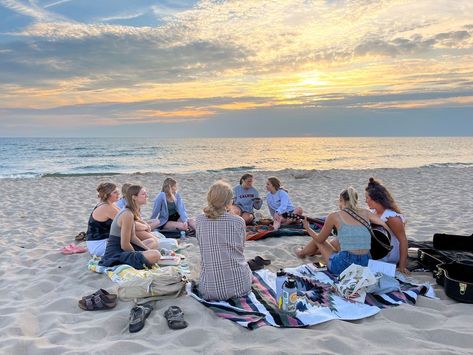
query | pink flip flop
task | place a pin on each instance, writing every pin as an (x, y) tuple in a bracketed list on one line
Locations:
[(72, 249)]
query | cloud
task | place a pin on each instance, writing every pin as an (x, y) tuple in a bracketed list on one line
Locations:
[(415, 45)]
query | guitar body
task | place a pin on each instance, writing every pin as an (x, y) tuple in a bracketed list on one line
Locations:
[(379, 244)]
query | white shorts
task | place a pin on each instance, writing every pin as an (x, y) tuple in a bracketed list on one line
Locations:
[(97, 247)]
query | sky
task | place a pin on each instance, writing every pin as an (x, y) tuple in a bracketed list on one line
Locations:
[(183, 68)]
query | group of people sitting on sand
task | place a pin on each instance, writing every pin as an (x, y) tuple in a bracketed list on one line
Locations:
[(118, 233)]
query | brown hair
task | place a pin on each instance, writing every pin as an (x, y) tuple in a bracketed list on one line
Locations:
[(133, 190), (273, 180), (105, 189), (125, 187), (167, 185), (380, 194), (244, 177), (350, 196), (220, 195)]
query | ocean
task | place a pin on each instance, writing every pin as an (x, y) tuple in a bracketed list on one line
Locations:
[(36, 157)]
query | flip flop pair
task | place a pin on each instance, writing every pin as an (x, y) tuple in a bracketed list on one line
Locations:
[(258, 263), (72, 249)]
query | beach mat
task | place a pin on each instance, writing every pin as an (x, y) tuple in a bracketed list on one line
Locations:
[(317, 302)]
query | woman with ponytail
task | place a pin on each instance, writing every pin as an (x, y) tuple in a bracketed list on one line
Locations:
[(100, 220), (123, 246), (353, 238), (221, 235), (381, 202)]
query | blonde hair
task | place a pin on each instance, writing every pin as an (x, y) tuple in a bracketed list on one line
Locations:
[(167, 185), (220, 196), (133, 190), (350, 196), (105, 189)]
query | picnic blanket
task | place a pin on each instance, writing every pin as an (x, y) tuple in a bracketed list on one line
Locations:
[(317, 302), (261, 231)]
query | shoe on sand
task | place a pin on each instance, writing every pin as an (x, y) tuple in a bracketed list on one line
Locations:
[(175, 318), (138, 315)]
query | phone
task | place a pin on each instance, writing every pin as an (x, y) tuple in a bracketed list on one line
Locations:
[(319, 265)]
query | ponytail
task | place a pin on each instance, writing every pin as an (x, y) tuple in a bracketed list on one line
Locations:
[(350, 196)]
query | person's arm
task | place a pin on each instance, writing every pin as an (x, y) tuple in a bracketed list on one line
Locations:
[(181, 208), (325, 232), (127, 222), (397, 227), (257, 202), (373, 218), (284, 202), (156, 206), (142, 226)]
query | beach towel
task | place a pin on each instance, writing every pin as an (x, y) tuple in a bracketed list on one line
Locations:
[(317, 301), (263, 231), (121, 273)]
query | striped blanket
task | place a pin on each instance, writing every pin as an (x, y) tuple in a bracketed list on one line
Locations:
[(317, 302)]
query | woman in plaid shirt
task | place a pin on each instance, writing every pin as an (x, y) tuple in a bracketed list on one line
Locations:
[(221, 236)]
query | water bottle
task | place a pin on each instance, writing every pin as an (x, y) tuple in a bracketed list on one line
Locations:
[(182, 237), (280, 279), (289, 296)]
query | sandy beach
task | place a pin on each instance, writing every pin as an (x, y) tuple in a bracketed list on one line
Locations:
[(40, 287)]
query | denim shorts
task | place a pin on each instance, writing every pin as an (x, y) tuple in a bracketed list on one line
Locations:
[(341, 260)]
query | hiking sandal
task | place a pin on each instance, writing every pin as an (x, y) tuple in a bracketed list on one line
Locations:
[(138, 315), (95, 303), (175, 318)]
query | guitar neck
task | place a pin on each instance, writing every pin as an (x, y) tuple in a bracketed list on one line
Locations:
[(301, 217)]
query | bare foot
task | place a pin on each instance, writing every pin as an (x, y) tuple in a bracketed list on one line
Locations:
[(299, 252)]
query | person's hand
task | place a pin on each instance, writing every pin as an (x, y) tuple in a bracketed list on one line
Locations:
[(403, 270), (277, 217), (305, 223)]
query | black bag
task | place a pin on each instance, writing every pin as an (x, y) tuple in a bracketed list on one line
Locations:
[(453, 242), (457, 279), (380, 237), (430, 258)]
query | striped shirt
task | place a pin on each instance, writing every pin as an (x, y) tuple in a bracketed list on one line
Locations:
[(224, 272)]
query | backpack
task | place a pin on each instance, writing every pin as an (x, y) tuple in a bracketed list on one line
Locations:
[(163, 283)]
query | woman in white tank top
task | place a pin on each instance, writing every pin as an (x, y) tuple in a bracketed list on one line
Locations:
[(380, 200)]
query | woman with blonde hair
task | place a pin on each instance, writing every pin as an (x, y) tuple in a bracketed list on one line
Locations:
[(100, 220), (169, 211), (279, 202), (221, 236), (123, 246), (381, 202), (353, 238)]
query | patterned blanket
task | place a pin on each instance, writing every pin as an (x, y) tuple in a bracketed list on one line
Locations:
[(260, 231), (317, 302)]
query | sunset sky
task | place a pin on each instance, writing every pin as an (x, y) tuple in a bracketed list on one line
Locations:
[(236, 68)]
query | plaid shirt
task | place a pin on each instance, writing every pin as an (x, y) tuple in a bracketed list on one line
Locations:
[(224, 272)]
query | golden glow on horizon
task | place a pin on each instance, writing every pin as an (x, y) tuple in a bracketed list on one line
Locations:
[(292, 53)]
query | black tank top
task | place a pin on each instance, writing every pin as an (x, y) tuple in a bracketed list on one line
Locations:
[(97, 230)]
